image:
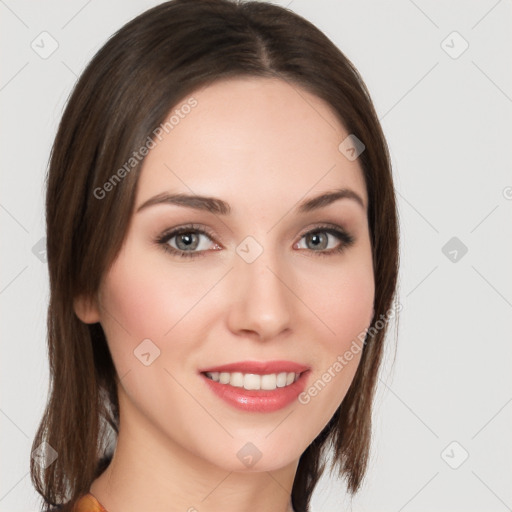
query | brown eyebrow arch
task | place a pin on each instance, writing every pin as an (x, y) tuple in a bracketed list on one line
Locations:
[(327, 198), (220, 207)]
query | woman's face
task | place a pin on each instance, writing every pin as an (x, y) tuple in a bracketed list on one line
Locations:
[(250, 285)]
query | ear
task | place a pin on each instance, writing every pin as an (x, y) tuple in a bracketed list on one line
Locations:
[(86, 309)]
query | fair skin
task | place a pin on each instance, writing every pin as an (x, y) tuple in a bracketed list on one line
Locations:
[(264, 147)]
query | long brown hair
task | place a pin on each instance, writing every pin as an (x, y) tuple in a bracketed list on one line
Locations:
[(145, 69)]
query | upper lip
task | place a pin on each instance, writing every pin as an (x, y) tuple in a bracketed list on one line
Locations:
[(259, 367)]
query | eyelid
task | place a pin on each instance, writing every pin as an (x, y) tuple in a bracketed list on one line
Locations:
[(319, 226), (186, 229)]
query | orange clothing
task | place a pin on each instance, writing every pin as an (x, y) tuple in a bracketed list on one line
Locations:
[(88, 503)]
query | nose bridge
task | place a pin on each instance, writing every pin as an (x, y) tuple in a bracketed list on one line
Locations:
[(261, 300)]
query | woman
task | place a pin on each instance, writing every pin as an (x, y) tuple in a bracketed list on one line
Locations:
[(223, 254)]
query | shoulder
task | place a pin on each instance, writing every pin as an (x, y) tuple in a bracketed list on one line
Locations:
[(86, 503)]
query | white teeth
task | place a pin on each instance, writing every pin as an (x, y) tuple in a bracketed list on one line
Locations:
[(269, 382), (281, 380), (237, 380), (266, 382)]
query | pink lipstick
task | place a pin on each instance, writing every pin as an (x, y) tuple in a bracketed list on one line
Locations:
[(255, 386)]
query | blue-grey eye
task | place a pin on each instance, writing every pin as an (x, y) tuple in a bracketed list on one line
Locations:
[(189, 241)]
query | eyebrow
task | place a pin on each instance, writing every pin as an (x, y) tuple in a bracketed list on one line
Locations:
[(220, 207)]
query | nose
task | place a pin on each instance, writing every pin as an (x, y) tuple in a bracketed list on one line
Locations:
[(261, 301)]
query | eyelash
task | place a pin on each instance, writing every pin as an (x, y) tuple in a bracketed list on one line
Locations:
[(162, 240)]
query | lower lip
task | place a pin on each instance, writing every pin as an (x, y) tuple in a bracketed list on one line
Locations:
[(258, 400)]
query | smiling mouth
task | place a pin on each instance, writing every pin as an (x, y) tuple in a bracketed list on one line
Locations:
[(253, 381), (257, 393)]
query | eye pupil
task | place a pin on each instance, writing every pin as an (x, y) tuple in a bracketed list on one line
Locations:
[(316, 239), (189, 238)]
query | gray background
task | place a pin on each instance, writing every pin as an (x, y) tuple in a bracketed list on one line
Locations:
[(447, 120)]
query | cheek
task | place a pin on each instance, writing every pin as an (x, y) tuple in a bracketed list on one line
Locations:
[(143, 299), (343, 300), (133, 302), (344, 304), (354, 307), (339, 351)]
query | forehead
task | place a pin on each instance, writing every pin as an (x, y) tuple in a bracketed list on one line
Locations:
[(250, 137)]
